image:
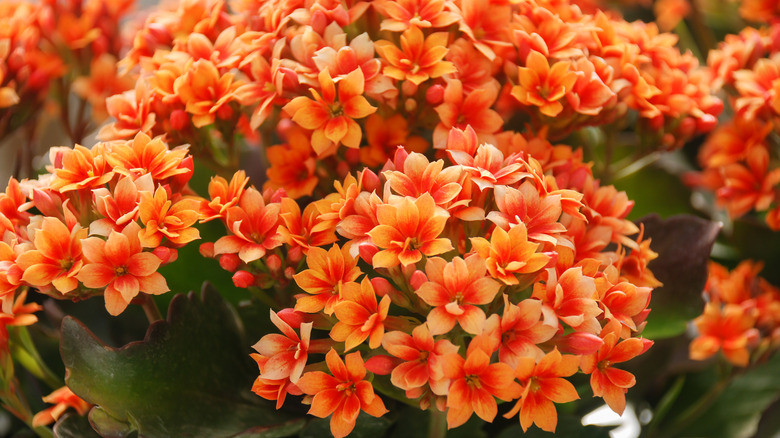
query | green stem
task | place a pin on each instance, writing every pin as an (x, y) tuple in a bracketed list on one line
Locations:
[(25, 353), (150, 308), (697, 409), (437, 428)]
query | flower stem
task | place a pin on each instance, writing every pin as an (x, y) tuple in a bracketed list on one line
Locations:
[(437, 428), (150, 308)]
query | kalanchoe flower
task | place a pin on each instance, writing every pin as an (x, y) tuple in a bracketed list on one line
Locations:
[(544, 384), (423, 360), (455, 290), (359, 316), (254, 227), (284, 355), (62, 399), (120, 265), (408, 230), (165, 219), (56, 259), (343, 394), (327, 274), (331, 116), (419, 57), (510, 253), (474, 383), (607, 381)]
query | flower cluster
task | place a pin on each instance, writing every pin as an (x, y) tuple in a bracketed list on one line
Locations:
[(486, 275), (738, 157), (68, 46), (373, 75), (741, 317), (101, 222)]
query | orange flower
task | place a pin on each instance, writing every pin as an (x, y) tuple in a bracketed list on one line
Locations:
[(423, 359), (165, 219), (544, 384), (749, 187), (254, 225), (327, 274), (332, 120), (408, 230), (120, 265), (623, 301), (78, 168), (359, 316), (204, 90), (538, 212), (21, 312), (509, 254), (62, 399), (487, 25), (144, 154), (405, 14), (418, 59), (730, 328), (420, 176), (132, 111), (473, 109), (609, 382), (292, 166), (272, 389), (385, 135), (286, 354), (222, 195), (103, 81), (121, 207), (475, 381), (573, 298), (542, 85), (455, 289), (342, 395), (56, 259), (488, 167), (523, 328), (304, 231)]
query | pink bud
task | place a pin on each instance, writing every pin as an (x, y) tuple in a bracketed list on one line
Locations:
[(434, 95), (408, 88), (274, 262), (289, 272), (579, 343), (646, 344), (292, 317), (417, 279), (381, 286), (165, 254), (294, 255), (179, 120), (230, 262), (243, 279), (367, 251), (382, 364), (224, 112), (207, 250)]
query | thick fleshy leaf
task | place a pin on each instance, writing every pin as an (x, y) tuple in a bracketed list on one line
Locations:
[(190, 376), (683, 244)]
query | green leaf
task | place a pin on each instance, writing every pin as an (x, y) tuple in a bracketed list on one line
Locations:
[(365, 427), (736, 413), (189, 377), (72, 425), (683, 244), (568, 426)]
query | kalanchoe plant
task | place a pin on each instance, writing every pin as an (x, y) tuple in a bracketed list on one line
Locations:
[(425, 207)]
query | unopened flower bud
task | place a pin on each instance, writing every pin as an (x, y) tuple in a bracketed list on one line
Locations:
[(274, 263), (166, 255), (289, 272), (243, 279), (434, 95), (229, 262), (206, 249), (179, 120)]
